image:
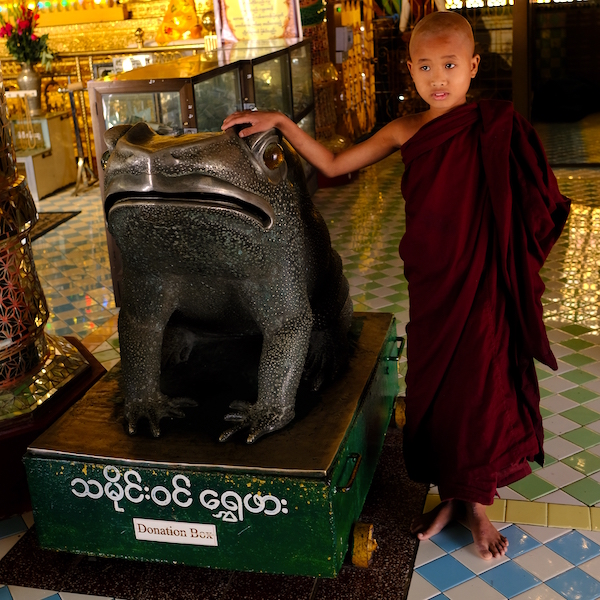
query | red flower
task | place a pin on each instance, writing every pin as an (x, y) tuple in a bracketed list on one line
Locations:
[(8, 29), (36, 16), (33, 37), (22, 25)]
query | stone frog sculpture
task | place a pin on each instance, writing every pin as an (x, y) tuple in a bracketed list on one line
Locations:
[(219, 237)]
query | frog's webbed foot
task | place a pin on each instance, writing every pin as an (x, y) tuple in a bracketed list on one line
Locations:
[(163, 407), (259, 418)]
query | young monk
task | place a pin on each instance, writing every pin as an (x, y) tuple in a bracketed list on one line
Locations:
[(483, 210)]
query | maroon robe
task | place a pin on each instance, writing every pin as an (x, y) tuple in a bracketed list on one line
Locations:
[(483, 210)]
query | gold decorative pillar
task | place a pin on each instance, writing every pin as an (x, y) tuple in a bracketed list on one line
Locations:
[(23, 310), (33, 365)]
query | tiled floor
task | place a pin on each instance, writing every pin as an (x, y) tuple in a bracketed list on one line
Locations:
[(552, 517), (73, 267)]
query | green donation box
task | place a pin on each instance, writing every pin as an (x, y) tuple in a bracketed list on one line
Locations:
[(285, 504)]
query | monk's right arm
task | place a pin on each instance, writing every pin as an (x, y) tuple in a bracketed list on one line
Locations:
[(330, 164)]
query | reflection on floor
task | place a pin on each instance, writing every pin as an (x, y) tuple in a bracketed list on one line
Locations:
[(552, 517)]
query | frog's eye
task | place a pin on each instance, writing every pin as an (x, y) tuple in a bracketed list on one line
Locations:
[(269, 152), (104, 159), (273, 155)]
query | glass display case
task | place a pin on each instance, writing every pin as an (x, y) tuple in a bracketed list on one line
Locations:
[(302, 83), (44, 151), (195, 93), (272, 84), (216, 98), (161, 109)]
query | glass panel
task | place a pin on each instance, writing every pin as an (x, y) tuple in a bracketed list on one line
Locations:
[(302, 86), (272, 89), (216, 98), (30, 135), (161, 110), (307, 124)]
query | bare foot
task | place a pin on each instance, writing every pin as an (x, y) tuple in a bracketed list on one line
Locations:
[(424, 526), (489, 542)]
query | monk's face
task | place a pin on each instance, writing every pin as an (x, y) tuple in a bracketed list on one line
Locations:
[(442, 66)]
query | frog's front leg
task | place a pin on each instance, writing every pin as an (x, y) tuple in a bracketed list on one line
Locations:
[(285, 346), (145, 312)]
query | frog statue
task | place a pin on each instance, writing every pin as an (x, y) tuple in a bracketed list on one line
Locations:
[(219, 237)]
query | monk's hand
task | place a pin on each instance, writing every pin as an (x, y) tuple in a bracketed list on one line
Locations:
[(255, 121)]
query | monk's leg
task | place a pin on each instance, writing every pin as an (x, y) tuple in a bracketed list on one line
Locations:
[(428, 524), (489, 542)]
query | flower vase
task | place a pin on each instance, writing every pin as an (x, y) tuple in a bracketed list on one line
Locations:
[(30, 79)]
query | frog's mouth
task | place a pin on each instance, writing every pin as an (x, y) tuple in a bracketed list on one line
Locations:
[(215, 196)]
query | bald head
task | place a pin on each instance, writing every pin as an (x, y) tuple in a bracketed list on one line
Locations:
[(441, 24)]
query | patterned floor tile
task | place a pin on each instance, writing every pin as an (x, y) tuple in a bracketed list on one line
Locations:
[(453, 537), (23, 593), (559, 448), (574, 547), (470, 558), (544, 534), (427, 552), (559, 424), (6, 543), (519, 541), (12, 526), (584, 462), (510, 579), (532, 487), (445, 573), (540, 592), (587, 490), (474, 588), (575, 584), (581, 415), (543, 563), (583, 437), (592, 568), (420, 589), (559, 474), (561, 497)]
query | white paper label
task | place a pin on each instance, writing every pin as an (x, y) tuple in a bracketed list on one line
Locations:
[(175, 532)]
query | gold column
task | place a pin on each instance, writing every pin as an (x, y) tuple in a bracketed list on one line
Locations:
[(33, 365)]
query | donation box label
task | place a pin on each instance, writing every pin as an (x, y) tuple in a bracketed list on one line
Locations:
[(175, 532)]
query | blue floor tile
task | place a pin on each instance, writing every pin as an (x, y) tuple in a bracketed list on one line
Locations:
[(519, 542), (574, 547), (453, 537), (574, 584), (510, 579), (12, 526), (5, 594), (445, 573)]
